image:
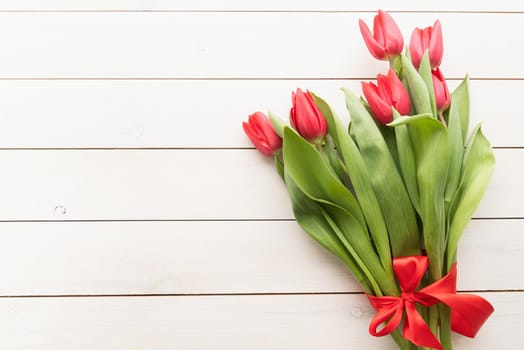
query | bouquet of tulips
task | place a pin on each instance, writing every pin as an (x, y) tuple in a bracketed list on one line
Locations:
[(391, 193)]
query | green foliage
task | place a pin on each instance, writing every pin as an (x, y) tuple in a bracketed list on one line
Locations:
[(477, 168), (369, 193), (397, 209), (310, 173)]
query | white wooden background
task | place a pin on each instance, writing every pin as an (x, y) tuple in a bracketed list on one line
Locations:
[(134, 213)]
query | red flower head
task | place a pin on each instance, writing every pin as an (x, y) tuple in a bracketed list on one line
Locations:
[(306, 118), (389, 92), (440, 87), (261, 133), (429, 38), (386, 42)]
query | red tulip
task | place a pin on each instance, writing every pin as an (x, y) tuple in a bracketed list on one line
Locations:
[(440, 87), (262, 134), (429, 38), (386, 42), (387, 94), (306, 118)]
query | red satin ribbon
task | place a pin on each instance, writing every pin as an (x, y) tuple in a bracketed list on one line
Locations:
[(468, 312)]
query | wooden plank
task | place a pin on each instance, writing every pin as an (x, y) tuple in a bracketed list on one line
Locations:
[(236, 5), (218, 322), (91, 258), (242, 45), (153, 113), (179, 184)]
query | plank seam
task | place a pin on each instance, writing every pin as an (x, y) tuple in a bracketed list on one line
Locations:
[(232, 78), (164, 148), (268, 11), (203, 220), (151, 295)]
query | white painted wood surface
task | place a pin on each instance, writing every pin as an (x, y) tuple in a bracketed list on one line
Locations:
[(309, 322), (253, 5), (141, 113), (288, 45), (179, 185), (79, 258), (134, 213)]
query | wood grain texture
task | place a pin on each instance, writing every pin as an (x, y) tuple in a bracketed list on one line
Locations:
[(252, 5), (81, 258), (179, 184), (84, 230), (239, 45), (197, 323), (189, 113)]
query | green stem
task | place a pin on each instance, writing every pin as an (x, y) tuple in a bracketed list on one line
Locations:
[(442, 119), (403, 343), (433, 319), (445, 327)]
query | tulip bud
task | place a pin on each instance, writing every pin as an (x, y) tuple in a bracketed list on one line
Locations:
[(386, 42), (442, 98), (306, 118), (261, 133), (429, 38), (387, 94)]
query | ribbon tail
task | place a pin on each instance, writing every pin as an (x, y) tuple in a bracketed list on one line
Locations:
[(416, 330), (468, 311)]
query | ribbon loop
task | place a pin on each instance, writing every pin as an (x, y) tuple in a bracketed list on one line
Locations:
[(468, 312)]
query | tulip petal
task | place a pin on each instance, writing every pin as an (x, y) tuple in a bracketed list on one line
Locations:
[(440, 88), (384, 89), (261, 133), (393, 40), (435, 45), (256, 139), (272, 139), (379, 30), (415, 47), (306, 117), (375, 48), (399, 94), (380, 109)]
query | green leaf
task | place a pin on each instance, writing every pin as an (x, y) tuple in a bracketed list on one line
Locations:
[(312, 175), (407, 160), (386, 181), (310, 217), (278, 124), (459, 106), (425, 72), (401, 120), (461, 96), (308, 170), (357, 171), (389, 136), (279, 166), (432, 159), (417, 88), (346, 228), (478, 165), (396, 65), (334, 158)]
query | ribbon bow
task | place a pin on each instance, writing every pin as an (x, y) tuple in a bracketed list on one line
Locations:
[(468, 312)]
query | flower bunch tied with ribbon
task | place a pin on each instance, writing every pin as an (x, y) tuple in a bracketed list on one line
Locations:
[(391, 193)]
